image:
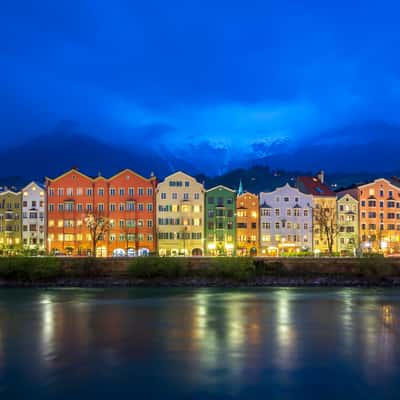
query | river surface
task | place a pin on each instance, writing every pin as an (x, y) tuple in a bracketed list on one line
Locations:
[(269, 343)]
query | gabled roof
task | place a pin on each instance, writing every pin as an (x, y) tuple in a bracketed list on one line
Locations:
[(394, 181), (221, 187), (39, 185), (74, 170), (125, 170), (312, 185)]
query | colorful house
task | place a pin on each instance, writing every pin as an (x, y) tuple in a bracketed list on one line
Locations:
[(10, 222), (286, 221), (380, 216), (247, 229), (325, 227), (126, 201), (220, 227), (348, 222), (34, 225), (180, 216)]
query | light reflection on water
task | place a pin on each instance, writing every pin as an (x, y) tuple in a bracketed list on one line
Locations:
[(175, 343)]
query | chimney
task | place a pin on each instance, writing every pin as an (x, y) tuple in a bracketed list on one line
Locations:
[(320, 176)]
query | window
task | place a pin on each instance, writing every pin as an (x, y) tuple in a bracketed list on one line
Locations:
[(149, 223), (121, 191), (112, 206), (121, 206), (131, 191), (197, 196), (149, 191), (140, 206), (163, 195), (60, 191), (185, 196), (89, 191), (112, 191), (100, 191), (100, 207), (69, 192), (141, 191), (51, 207), (174, 196), (277, 212), (51, 192)]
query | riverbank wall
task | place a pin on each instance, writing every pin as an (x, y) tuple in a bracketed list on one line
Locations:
[(199, 272)]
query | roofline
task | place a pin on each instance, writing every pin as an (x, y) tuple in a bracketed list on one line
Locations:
[(34, 183), (247, 193), (67, 172), (133, 173), (221, 186), (9, 191), (379, 179)]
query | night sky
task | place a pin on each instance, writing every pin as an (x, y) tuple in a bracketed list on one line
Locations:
[(304, 84)]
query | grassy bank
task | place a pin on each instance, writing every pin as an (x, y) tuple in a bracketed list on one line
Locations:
[(47, 269)]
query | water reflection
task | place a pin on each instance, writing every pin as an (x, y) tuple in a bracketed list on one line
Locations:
[(209, 342)]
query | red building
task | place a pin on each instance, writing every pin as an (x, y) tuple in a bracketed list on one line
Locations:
[(125, 200)]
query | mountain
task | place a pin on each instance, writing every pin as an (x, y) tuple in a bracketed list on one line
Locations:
[(55, 153), (370, 146)]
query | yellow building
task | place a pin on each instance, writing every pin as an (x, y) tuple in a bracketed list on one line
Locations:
[(10, 222), (180, 216), (325, 228)]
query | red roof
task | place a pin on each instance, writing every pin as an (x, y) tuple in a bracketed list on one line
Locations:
[(312, 185)]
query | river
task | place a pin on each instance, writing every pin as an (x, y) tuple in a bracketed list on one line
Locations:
[(270, 343)]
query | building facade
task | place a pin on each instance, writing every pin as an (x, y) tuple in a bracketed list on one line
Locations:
[(126, 201), (180, 216), (285, 221), (220, 227), (348, 222), (380, 216), (34, 218), (247, 224), (324, 223), (10, 222)]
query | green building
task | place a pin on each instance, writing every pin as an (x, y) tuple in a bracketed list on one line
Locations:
[(347, 223), (220, 226), (10, 222)]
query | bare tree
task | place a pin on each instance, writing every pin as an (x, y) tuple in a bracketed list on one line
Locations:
[(326, 224), (98, 225)]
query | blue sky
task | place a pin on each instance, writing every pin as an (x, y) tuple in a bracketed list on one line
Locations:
[(231, 79)]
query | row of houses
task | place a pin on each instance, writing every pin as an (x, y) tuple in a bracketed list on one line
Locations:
[(128, 214)]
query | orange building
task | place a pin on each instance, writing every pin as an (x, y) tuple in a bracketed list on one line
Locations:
[(380, 216), (126, 201), (247, 229)]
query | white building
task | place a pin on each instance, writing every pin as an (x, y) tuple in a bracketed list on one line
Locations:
[(34, 217), (285, 221)]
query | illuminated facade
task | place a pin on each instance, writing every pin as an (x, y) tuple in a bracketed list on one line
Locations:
[(247, 228), (324, 222), (33, 218), (126, 201), (380, 216), (285, 221), (10, 222), (348, 222), (180, 216), (220, 229)]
